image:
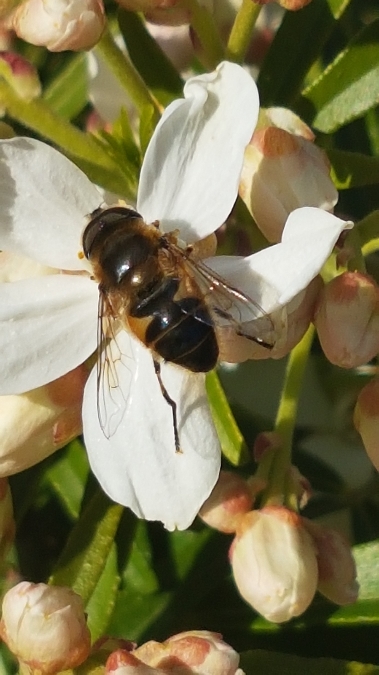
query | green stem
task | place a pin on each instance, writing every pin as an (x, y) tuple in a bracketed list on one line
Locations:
[(37, 115), (278, 463), (203, 25), (84, 148), (240, 35), (125, 72)]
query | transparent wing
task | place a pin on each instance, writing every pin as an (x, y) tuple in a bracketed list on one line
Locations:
[(116, 368), (228, 306)]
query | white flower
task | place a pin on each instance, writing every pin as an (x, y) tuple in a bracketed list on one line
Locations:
[(48, 326)]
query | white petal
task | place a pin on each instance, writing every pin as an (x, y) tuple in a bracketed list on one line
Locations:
[(189, 178), (44, 201), (47, 328), (138, 465), (273, 276)]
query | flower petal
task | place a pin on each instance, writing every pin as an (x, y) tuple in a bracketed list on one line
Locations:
[(44, 201), (273, 276), (138, 465), (47, 328), (189, 178)]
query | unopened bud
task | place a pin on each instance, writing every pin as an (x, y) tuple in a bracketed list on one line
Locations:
[(292, 5), (336, 565), (347, 319), (123, 662), (194, 652), (20, 74), (36, 424), (6, 6), (282, 171), (274, 563), (60, 25), (230, 499), (45, 627), (366, 419)]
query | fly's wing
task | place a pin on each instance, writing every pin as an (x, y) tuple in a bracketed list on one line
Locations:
[(228, 307), (116, 368)]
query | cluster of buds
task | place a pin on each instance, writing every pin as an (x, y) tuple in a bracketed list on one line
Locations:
[(279, 559), (45, 628)]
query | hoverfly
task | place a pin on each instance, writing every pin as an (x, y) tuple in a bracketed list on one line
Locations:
[(169, 299)]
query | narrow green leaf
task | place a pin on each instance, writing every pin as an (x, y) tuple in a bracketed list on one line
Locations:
[(232, 442), (134, 613), (151, 62), (82, 561), (272, 663), (353, 169), (296, 46), (101, 604), (349, 86), (67, 476), (67, 94)]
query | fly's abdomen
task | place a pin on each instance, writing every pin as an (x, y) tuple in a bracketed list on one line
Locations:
[(182, 333)]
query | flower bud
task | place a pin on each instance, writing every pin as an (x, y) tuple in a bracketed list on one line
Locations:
[(337, 579), (190, 652), (366, 419), (20, 74), (283, 170), (59, 25), (123, 662), (35, 424), (45, 627), (347, 319), (292, 5), (274, 563), (230, 499)]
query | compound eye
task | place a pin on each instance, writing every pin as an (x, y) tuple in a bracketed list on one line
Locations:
[(102, 220)]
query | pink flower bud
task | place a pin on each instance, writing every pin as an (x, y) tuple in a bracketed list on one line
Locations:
[(274, 563), (230, 499), (35, 424), (123, 662), (336, 566), (60, 24), (190, 652), (292, 5), (45, 627), (366, 419), (283, 170), (20, 74), (347, 319)]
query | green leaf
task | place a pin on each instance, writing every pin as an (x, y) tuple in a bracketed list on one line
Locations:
[(153, 65), (101, 604), (67, 476), (67, 94), (349, 86), (82, 561), (353, 169), (272, 663), (232, 442), (134, 613), (296, 46)]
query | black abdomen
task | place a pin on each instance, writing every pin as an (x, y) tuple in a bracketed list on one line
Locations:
[(180, 331)]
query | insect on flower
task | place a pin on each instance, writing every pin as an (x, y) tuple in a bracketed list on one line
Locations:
[(168, 298)]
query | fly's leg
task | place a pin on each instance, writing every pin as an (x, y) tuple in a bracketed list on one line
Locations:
[(172, 404)]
